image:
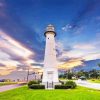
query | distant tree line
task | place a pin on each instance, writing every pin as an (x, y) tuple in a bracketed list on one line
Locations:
[(87, 74)]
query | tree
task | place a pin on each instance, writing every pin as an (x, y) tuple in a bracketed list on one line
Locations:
[(69, 75), (94, 73), (80, 73), (99, 70), (99, 64)]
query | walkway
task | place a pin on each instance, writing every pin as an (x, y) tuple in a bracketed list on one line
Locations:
[(88, 84), (9, 87)]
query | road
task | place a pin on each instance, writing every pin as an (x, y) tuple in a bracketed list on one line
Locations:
[(88, 84), (9, 87)]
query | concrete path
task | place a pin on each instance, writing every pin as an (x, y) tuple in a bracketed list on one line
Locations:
[(88, 84), (9, 87)]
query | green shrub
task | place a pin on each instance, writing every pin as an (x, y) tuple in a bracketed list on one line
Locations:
[(71, 84), (61, 82), (33, 82), (62, 87), (67, 85), (37, 86)]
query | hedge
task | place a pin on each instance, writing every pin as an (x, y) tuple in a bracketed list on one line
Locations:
[(62, 87), (67, 85), (33, 82), (37, 86)]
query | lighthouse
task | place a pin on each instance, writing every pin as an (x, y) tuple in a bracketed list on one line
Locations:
[(50, 71)]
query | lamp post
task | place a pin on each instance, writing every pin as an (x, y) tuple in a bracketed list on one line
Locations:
[(33, 73)]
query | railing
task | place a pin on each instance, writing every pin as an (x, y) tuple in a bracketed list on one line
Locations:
[(50, 85)]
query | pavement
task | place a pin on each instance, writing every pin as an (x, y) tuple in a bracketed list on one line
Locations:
[(87, 84), (9, 87)]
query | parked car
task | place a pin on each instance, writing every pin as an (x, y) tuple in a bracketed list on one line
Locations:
[(82, 78)]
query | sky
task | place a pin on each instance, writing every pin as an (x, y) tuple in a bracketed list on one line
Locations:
[(22, 27)]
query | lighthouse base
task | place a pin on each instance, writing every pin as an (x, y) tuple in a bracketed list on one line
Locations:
[(50, 78), (50, 85)]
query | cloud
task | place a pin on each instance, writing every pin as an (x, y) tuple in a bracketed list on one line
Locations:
[(75, 61), (66, 27), (13, 25), (2, 8), (98, 37), (71, 64), (75, 29), (7, 70), (74, 53), (76, 24), (60, 48), (2, 65), (92, 56), (84, 46), (37, 64), (98, 18), (14, 46), (13, 53), (79, 30), (80, 53), (87, 9)]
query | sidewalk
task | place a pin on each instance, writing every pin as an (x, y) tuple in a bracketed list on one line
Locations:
[(9, 87)]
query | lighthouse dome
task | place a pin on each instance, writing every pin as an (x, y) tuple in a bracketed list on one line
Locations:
[(50, 30)]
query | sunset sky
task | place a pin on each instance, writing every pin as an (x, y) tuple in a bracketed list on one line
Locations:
[(22, 27)]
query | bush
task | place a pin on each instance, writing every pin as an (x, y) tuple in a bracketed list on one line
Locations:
[(71, 84), (37, 86), (62, 87), (61, 82), (67, 85), (33, 82)]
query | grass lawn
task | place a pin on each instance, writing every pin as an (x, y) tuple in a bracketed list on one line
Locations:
[(7, 83), (94, 80), (23, 93)]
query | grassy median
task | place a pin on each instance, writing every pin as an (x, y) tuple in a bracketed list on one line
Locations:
[(23, 93)]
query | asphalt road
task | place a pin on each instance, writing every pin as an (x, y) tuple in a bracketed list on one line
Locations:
[(88, 84)]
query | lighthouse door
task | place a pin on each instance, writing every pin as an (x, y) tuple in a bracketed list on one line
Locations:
[(50, 79), (50, 76)]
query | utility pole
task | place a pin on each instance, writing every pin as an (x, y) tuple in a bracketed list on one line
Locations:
[(27, 74)]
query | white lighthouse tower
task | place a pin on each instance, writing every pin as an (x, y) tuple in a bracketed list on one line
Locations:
[(50, 71)]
